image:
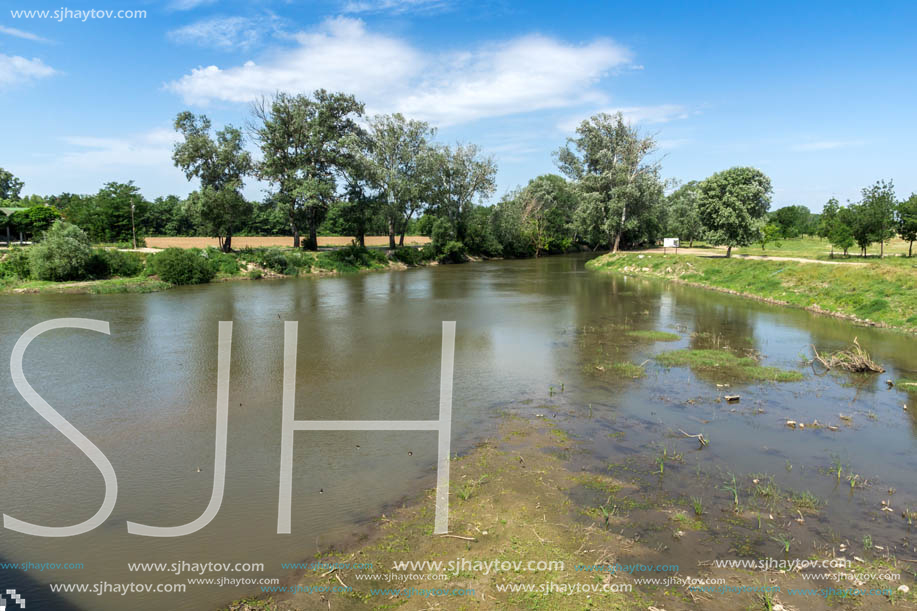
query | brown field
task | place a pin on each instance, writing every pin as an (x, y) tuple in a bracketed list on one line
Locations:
[(259, 242)]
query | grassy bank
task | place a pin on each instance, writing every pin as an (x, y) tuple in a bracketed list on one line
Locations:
[(871, 291), (515, 499)]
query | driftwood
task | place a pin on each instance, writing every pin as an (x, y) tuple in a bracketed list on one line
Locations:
[(856, 360), (700, 437)]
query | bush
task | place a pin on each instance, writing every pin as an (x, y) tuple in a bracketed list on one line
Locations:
[(288, 262), (412, 256), (16, 264), (105, 263), (63, 254), (351, 258), (441, 234), (221, 262), (453, 252), (180, 266)]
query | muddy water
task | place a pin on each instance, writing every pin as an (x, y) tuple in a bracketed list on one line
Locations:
[(369, 349)]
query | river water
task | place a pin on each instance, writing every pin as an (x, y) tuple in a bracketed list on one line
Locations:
[(369, 349)]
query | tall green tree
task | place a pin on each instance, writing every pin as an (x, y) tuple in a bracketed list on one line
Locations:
[(547, 207), (221, 163), (732, 206), (617, 181), (460, 176), (840, 233), (396, 162), (305, 145), (10, 186), (907, 221), (793, 221), (878, 208), (106, 216), (683, 219)]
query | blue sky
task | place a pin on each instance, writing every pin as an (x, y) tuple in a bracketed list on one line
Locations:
[(821, 96)]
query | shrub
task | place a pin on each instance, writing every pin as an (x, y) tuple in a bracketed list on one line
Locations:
[(441, 234), (288, 262), (16, 264), (180, 266), (221, 262), (63, 254), (105, 263), (453, 252), (351, 258), (413, 256)]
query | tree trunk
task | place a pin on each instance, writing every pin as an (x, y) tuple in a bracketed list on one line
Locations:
[(227, 243), (910, 248), (881, 249), (312, 241), (728, 251), (617, 242), (691, 243), (361, 238), (9, 238), (391, 233), (295, 236)]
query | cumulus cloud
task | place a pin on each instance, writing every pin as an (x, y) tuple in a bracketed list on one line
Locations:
[(15, 70), (145, 149), (525, 74), (221, 33)]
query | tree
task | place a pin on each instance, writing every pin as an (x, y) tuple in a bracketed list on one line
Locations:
[(459, 176), (10, 186), (221, 165), (793, 221), (826, 219), (304, 145), (34, 220), (769, 234), (732, 206), (618, 185), (878, 206), (840, 233), (683, 219), (861, 226), (547, 206), (907, 221), (106, 216), (396, 162)]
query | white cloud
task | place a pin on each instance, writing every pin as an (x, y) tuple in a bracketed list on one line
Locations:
[(661, 113), (15, 70), (221, 33), (394, 6), (22, 34), (151, 148), (522, 75), (187, 5), (824, 145)]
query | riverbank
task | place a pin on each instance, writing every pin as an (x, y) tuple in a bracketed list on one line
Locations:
[(530, 531), (247, 264), (871, 292)]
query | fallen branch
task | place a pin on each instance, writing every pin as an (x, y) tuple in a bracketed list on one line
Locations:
[(855, 360), (700, 437), (459, 537)]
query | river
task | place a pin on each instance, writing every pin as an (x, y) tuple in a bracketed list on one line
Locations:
[(369, 348)]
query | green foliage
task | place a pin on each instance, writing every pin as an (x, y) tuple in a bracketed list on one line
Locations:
[(15, 264), (106, 216), (63, 254), (106, 263), (221, 262), (907, 221), (34, 220), (683, 220), (732, 205), (180, 266), (453, 252), (10, 186), (769, 234), (351, 258), (620, 192), (443, 233), (412, 256), (792, 221)]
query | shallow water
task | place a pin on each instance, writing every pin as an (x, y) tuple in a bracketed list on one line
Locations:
[(369, 347)]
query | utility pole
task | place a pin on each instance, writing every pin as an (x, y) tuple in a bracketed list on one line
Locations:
[(133, 228)]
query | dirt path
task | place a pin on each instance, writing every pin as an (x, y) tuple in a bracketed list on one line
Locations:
[(721, 253)]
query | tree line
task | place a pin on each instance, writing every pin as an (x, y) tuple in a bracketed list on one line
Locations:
[(331, 169)]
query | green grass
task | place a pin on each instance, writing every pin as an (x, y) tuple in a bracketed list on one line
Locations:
[(728, 363), (139, 284), (907, 385), (883, 291), (622, 369), (655, 336)]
